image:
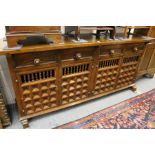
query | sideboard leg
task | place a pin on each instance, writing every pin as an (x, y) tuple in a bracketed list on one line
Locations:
[(25, 123), (134, 88), (149, 75)]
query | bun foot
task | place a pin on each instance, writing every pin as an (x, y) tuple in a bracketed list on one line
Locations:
[(134, 88), (149, 75), (25, 123), (1, 126)]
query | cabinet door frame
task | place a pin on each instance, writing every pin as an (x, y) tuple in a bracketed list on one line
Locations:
[(28, 70)]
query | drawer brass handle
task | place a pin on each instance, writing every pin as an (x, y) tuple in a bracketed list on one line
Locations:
[(78, 56), (112, 51), (135, 49), (36, 61)]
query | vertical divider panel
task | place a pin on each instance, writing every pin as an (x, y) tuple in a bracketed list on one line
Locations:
[(59, 78), (94, 69)]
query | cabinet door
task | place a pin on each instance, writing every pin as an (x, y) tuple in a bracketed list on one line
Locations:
[(76, 80), (38, 88), (129, 66), (151, 65), (107, 73), (107, 68)]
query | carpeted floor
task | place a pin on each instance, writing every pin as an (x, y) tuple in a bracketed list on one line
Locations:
[(135, 113)]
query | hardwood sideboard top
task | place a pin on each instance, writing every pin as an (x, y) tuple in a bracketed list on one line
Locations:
[(69, 42)]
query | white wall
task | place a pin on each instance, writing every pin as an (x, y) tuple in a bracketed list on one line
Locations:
[(2, 31), (5, 79)]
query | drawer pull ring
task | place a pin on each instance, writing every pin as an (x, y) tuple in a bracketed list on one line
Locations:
[(78, 56), (36, 61), (112, 51), (135, 49)]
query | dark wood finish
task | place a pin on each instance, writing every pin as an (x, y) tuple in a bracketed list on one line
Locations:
[(48, 78)]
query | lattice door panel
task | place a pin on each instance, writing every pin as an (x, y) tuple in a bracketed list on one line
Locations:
[(107, 73), (75, 81), (39, 90), (128, 71)]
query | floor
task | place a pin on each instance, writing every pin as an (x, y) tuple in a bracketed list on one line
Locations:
[(54, 119)]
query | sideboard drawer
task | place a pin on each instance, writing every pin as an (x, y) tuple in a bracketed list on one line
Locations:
[(134, 48), (78, 53), (33, 59), (110, 50)]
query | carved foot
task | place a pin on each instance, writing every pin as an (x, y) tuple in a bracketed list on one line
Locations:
[(25, 123), (134, 88), (149, 75), (1, 126)]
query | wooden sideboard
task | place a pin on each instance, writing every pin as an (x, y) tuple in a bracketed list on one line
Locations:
[(48, 78)]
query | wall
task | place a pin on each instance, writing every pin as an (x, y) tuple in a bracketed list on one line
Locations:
[(5, 79)]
